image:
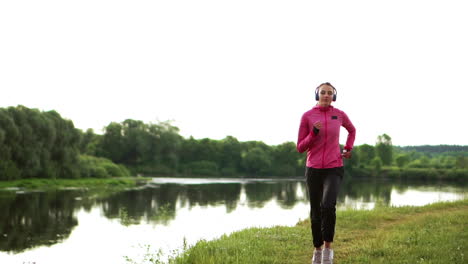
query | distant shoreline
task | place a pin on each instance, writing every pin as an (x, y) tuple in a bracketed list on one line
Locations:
[(444, 175), (88, 183)]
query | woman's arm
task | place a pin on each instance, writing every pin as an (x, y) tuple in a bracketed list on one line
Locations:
[(306, 135), (351, 132)]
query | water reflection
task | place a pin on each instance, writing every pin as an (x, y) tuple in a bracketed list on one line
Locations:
[(284, 193), (29, 220), (159, 204), (365, 194)]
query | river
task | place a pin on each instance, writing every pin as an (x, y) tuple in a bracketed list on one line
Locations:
[(82, 226)]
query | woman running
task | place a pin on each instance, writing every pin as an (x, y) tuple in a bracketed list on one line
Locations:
[(319, 134)]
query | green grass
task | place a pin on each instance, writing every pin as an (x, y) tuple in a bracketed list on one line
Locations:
[(90, 183), (435, 233)]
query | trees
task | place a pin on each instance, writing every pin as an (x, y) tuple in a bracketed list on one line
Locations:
[(366, 153), (152, 148), (286, 160), (43, 144), (256, 161), (37, 144), (112, 142), (401, 160), (462, 162), (230, 156), (64, 152), (384, 149), (9, 137), (90, 142)]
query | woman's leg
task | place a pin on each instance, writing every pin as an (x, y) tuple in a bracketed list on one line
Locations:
[(314, 187), (331, 186)]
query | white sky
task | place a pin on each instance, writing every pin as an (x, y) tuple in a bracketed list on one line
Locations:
[(245, 68)]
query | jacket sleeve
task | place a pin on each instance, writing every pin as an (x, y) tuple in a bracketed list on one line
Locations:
[(351, 132), (306, 136)]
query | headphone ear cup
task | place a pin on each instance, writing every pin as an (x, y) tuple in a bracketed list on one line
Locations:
[(316, 96), (334, 97)]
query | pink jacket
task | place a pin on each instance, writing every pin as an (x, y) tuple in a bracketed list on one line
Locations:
[(323, 149)]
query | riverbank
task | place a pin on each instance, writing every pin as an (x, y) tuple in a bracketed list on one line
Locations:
[(89, 183), (435, 233), (449, 175)]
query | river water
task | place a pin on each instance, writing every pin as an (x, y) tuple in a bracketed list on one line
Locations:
[(81, 226)]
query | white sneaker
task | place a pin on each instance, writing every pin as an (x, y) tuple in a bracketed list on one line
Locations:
[(317, 257), (327, 256)]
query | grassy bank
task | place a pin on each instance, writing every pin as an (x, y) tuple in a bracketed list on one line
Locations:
[(436, 233), (46, 184)]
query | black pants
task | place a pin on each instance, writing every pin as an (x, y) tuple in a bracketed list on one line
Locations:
[(323, 186)]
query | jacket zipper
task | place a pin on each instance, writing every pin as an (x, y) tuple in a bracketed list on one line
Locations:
[(325, 144)]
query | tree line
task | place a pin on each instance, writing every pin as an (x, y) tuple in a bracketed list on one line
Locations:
[(35, 144), (158, 149), (384, 154), (447, 162)]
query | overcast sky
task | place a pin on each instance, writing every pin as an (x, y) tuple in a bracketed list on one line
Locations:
[(242, 68)]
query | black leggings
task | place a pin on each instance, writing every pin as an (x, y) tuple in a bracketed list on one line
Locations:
[(323, 186)]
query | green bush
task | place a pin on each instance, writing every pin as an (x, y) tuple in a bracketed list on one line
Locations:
[(8, 170), (100, 172), (112, 169), (93, 167), (124, 172)]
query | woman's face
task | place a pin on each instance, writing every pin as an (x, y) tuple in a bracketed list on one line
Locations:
[(325, 95)]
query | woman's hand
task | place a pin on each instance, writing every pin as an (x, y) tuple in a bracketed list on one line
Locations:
[(318, 125), (346, 154)]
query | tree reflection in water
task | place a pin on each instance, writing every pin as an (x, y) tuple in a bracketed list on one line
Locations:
[(33, 219)]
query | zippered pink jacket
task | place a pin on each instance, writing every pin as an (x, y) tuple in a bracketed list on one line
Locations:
[(323, 148)]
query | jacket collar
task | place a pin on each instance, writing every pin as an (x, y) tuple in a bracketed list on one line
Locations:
[(323, 108)]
